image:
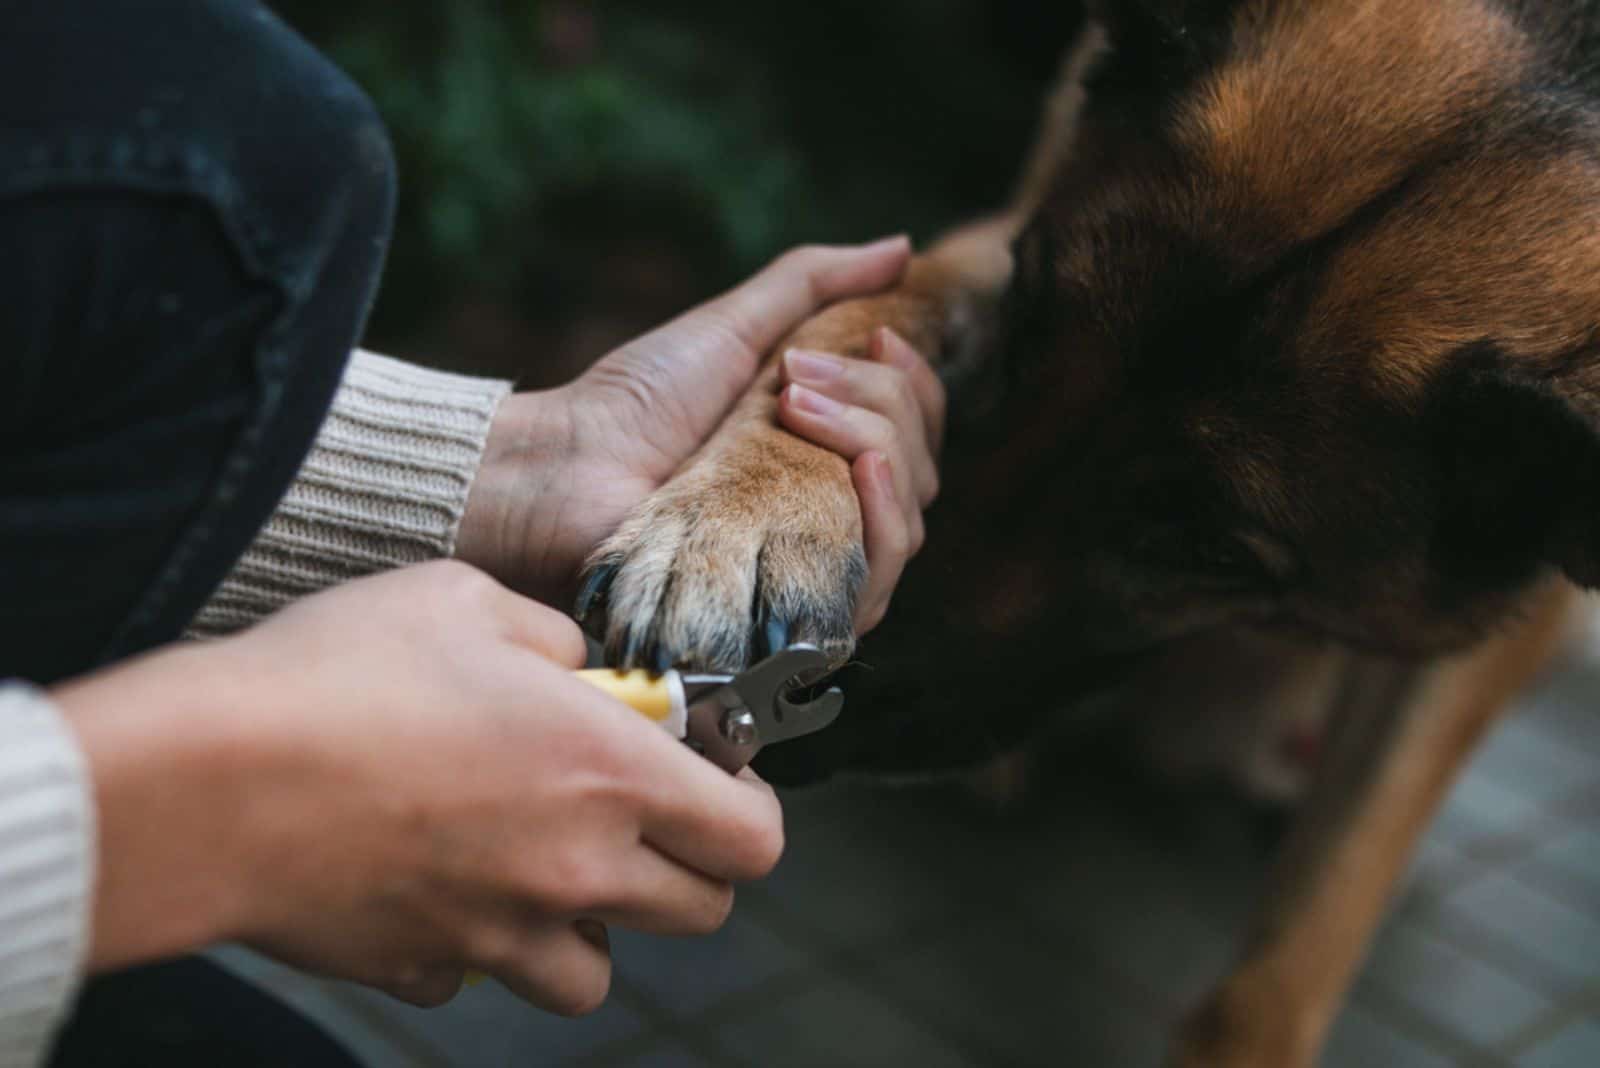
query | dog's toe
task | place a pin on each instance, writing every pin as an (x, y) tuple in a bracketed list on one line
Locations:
[(692, 581)]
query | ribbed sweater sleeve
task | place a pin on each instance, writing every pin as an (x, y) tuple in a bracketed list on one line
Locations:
[(47, 853), (384, 486)]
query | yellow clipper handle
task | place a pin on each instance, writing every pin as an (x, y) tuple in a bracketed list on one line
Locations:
[(659, 698)]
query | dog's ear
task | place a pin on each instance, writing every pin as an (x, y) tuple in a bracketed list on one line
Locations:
[(1519, 455)]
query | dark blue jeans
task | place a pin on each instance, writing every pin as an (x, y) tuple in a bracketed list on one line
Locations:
[(194, 211)]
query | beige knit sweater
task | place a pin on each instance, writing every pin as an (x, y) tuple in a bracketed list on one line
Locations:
[(384, 486)]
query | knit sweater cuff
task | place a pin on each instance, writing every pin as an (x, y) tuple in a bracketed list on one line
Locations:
[(47, 854), (384, 486)]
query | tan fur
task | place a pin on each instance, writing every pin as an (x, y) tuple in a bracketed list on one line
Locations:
[(1538, 288), (1276, 124), (1291, 154), (758, 508)]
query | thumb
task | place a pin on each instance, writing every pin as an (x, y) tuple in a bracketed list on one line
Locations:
[(801, 283), (683, 378)]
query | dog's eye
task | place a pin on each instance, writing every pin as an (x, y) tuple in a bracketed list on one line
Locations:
[(1214, 555), (1225, 556)]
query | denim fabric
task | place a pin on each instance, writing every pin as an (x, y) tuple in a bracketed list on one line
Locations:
[(187, 1013), (194, 211)]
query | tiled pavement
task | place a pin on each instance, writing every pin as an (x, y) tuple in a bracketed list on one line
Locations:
[(917, 927)]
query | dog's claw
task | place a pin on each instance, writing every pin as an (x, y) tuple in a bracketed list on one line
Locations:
[(775, 635), (594, 590), (622, 650), (635, 654), (700, 576)]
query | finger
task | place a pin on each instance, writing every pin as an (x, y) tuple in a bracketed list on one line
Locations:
[(851, 432), (880, 388), (885, 533), (428, 990), (694, 368), (728, 828), (657, 895), (889, 347), (564, 968), (748, 775), (543, 629), (801, 283)]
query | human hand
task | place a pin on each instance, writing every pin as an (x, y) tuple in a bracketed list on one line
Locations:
[(885, 415), (563, 467), (398, 780)]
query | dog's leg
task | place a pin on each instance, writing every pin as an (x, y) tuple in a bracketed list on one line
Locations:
[(1401, 735), (757, 542)]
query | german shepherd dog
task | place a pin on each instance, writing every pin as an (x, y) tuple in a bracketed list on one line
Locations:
[(1286, 356)]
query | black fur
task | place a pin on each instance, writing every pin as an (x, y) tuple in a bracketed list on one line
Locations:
[(1519, 474)]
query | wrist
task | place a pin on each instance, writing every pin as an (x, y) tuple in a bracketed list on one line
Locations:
[(512, 525), (167, 750)]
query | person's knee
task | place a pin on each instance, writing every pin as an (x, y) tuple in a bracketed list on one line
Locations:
[(325, 169), (217, 98), (310, 148)]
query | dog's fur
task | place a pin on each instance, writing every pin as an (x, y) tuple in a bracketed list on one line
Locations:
[(1294, 329)]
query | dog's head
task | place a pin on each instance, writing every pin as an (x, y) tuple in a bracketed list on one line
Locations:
[(1308, 331), (1319, 287)]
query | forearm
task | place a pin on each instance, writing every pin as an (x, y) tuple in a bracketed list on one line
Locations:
[(167, 744)]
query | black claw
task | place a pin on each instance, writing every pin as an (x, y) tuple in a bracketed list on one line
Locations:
[(775, 635), (633, 649), (594, 590)]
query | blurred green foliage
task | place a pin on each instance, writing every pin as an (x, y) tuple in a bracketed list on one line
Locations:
[(549, 148)]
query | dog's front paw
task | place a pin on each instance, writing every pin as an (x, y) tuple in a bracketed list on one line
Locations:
[(746, 552)]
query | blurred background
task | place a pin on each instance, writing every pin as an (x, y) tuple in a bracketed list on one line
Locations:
[(575, 173)]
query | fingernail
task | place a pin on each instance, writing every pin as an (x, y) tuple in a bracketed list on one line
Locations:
[(894, 349), (875, 344), (809, 400), (887, 242), (883, 472), (804, 366)]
